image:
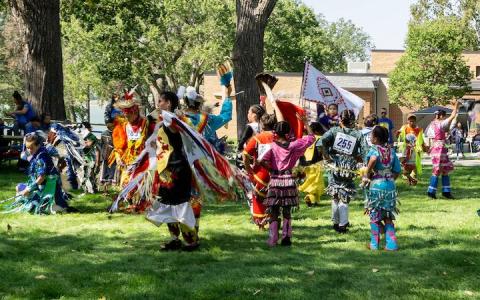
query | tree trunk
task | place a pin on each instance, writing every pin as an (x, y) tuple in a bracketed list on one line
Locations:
[(252, 18), (40, 21)]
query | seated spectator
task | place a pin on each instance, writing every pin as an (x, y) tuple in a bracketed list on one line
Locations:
[(34, 125), (46, 122), (23, 112), (3, 127)]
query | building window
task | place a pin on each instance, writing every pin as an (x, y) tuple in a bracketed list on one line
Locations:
[(477, 72)]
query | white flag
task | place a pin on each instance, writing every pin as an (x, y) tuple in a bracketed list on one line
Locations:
[(318, 88)]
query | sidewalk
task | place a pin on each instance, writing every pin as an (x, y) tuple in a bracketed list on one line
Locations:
[(470, 160)]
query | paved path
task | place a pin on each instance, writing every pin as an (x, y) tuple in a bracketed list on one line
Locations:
[(470, 160)]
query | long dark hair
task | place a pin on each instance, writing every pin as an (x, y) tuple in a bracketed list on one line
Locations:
[(381, 134), (170, 97)]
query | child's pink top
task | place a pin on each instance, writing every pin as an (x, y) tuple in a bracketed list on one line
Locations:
[(285, 157)]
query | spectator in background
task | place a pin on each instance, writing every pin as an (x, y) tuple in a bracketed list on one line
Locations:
[(384, 121), (459, 134), (34, 125), (110, 111), (3, 127), (46, 122), (109, 168), (23, 112), (330, 119)]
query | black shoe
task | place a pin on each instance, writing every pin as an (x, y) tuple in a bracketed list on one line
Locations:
[(335, 227), (342, 229), (431, 195), (286, 241), (191, 247), (172, 245), (448, 195)]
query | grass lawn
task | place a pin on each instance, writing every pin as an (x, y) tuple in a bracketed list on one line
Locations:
[(92, 254)]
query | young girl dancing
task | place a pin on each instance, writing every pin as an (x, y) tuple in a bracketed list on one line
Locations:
[(383, 168), (282, 190)]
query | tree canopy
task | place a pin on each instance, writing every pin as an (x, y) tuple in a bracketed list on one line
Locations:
[(432, 71)]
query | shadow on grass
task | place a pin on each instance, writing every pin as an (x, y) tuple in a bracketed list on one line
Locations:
[(227, 265)]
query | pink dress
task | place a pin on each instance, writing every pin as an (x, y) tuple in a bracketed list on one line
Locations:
[(441, 164), (282, 189)]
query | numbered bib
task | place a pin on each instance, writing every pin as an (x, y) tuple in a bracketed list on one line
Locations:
[(262, 149), (344, 143), (133, 135)]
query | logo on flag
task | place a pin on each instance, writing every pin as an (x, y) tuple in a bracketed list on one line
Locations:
[(318, 88)]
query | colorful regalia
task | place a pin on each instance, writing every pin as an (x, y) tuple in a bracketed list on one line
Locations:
[(313, 186), (208, 124), (410, 145), (441, 164), (91, 158), (45, 198), (178, 164), (344, 146), (381, 202), (107, 172), (65, 146), (282, 192), (128, 142), (255, 148)]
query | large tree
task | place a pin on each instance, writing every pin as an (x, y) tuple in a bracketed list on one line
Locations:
[(467, 11), (248, 50), (156, 44), (40, 23), (432, 70), (294, 33)]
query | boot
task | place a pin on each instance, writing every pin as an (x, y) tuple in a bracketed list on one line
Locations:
[(432, 188), (390, 237), (287, 232), (273, 234), (374, 236), (446, 188)]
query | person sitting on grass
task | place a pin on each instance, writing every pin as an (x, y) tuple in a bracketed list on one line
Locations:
[(382, 169), (282, 192), (42, 193)]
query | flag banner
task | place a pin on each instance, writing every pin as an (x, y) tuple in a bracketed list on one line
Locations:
[(318, 88)]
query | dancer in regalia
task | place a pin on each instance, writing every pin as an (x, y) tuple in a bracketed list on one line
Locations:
[(255, 113), (42, 193), (129, 136), (441, 164), (312, 161), (282, 194), (342, 151), (411, 145), (383, 168)]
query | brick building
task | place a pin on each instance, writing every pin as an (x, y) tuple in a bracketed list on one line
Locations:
[(369, 81)]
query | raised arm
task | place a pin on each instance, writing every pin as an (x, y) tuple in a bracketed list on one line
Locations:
[(453, 116), (272, 100)]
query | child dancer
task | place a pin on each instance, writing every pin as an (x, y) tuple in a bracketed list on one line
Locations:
[(313, 186), (92, 164), (282, 190), (255, 112), (441, 164), (342, 148), (411, 145), (382, 169)]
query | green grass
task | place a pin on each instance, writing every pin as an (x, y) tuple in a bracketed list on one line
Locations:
[(92, 254)]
